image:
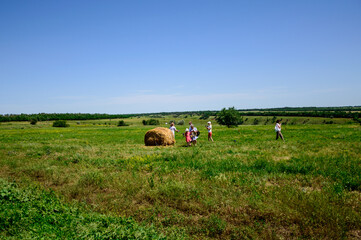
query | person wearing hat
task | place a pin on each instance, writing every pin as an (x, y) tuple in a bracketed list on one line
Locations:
[(187, 135), (193, 131), (209, 127)]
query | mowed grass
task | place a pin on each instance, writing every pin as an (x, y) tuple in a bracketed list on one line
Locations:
[(245, 185)]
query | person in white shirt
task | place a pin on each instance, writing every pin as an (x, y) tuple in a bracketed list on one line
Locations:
[(194, 134), (278, 130), (209, 127), (173, 129)]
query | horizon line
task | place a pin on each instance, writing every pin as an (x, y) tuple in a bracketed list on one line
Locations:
[(187, 111)]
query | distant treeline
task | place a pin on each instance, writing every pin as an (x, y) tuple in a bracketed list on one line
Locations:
[(303, 109), (328, 112), (60, 116), (325, 114)]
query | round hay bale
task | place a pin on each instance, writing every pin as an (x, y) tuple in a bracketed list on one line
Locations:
[(159, 137)]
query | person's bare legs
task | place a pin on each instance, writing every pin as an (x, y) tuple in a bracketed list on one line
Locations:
[(279, 134)]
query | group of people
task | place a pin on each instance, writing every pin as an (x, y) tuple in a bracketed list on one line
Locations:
[(191, 134)]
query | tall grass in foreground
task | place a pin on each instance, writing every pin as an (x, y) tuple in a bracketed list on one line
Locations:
[(245, 185), (33, 214)]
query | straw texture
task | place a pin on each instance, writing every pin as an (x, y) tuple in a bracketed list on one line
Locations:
[(159, 137)]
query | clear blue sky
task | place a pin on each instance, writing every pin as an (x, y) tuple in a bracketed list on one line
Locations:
[(154, 56)]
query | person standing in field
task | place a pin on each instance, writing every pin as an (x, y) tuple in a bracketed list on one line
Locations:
[(209, 128), (187, 135), (194, 134), (173, 129), (190, 126), (278, 130)]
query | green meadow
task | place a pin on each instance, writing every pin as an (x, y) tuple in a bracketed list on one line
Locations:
[(94, 180)]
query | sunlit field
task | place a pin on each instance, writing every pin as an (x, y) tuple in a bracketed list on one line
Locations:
[(96, 180)]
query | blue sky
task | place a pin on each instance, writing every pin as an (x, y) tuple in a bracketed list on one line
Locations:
[(159, 56)]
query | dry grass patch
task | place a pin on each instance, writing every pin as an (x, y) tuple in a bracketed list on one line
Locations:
[(281, 158)]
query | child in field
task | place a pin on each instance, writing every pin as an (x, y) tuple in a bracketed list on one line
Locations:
[(278, 130), (209, 127), (187, 135), (194, 134), (173, 129)]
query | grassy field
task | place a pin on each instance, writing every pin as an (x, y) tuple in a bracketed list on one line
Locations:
[(245, 185)]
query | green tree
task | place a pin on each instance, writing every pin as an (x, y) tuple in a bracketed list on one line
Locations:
[(33, 121), (255, 121), (205, 116), (60, 123), (151, 122), (229, 117), (121, 123), (181, 122)]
